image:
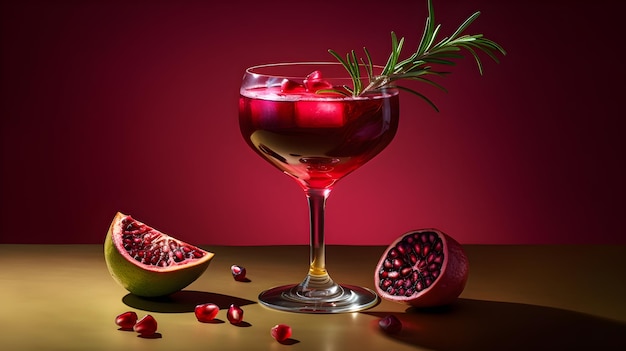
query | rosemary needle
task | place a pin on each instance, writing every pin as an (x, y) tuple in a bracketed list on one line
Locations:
[(419, 65)]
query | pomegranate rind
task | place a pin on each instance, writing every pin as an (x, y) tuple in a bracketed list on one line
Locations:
[(446, 288), (146, 280)]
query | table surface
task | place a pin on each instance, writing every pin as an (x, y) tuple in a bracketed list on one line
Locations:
[(516, 298)]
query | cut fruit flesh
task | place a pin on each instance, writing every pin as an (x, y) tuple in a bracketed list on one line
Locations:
[(149, 263), (423, 268)]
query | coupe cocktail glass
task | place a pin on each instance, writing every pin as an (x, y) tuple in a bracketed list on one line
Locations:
[(288, 117)]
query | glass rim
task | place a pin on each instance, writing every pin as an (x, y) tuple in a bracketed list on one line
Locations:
[(344, 75)]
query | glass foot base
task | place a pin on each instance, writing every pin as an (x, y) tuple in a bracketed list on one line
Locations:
[(288, 298)]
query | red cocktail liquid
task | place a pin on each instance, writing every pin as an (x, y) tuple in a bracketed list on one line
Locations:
[(316, 138)]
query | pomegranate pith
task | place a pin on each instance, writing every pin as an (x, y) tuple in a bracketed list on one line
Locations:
[(423, 268)]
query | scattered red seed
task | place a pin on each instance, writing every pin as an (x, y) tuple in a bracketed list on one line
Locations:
[(239, 273), (146, 326), (281, 332), (390, 324), (126, 320), (234, 314), (206, 312)]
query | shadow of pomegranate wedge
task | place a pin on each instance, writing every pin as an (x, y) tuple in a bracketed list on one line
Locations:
[(149, 263), (182, 301), (422, 268)]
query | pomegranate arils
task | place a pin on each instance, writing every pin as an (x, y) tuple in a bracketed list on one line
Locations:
[(289, 86), (126, 320), (412, 265), (422, 268), (406, 271), (314, 82), (206, 312), (234, 314), (239, 273), (281, 332), (147, 246), (146, 326), (313, 87), (390, 324), (315, 75), (397, 263)]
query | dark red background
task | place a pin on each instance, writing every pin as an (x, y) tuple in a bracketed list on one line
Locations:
[(132, 106)]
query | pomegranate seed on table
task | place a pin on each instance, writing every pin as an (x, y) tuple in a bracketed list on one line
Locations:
[(146, 326), (126, 320), (234, 314), (206, 312), (281, 332), (390, 324), (239, 273)]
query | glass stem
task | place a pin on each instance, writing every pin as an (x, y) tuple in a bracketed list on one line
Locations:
[(318, 282), (317, 205)]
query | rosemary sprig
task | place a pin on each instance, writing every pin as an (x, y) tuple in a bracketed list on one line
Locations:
[(418, 65)]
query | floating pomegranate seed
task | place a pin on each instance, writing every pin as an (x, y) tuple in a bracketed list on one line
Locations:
[(126, 320), (390, 324), (239, 273), (146, 326), (206, 312), (315, 82), (315, 75), (281, 332), (290, 87), (234, 314)]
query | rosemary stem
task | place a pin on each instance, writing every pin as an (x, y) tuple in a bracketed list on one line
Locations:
[(418, 64)]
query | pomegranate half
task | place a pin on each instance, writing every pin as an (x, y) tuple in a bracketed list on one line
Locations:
[(422, 268), (148, 262)]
